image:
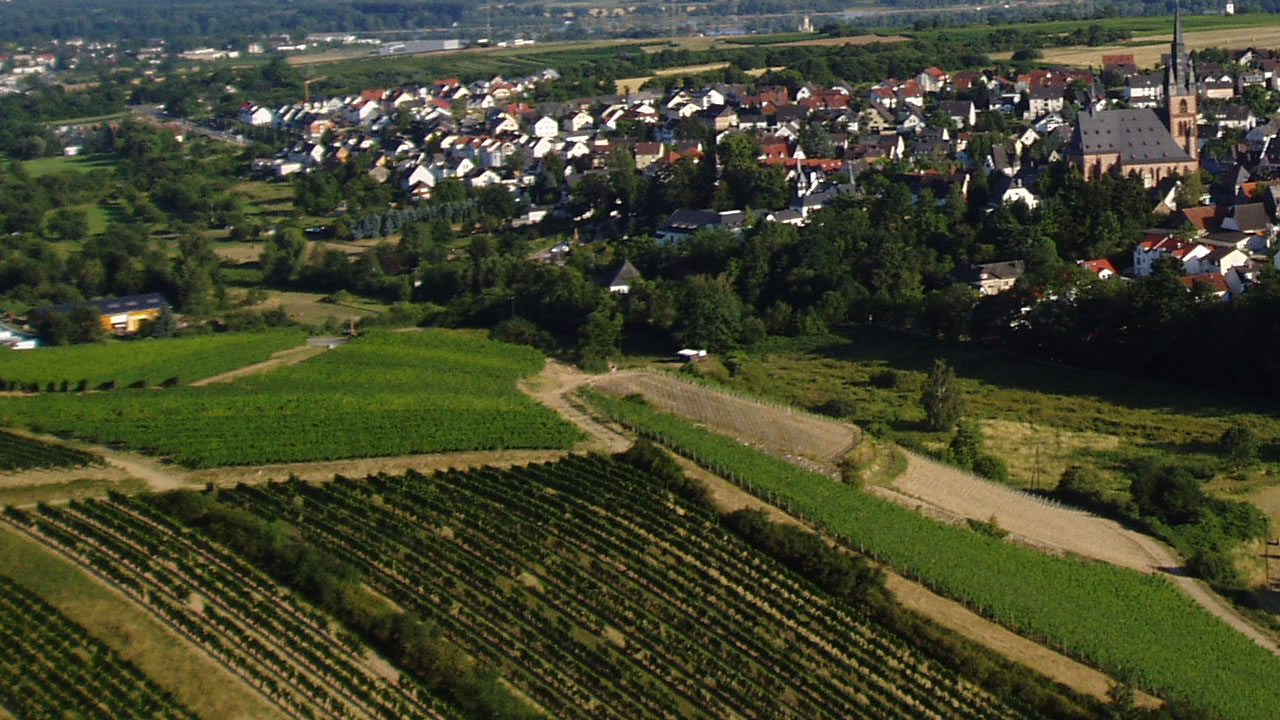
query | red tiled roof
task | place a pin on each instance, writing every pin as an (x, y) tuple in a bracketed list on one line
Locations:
[(1097, 266)]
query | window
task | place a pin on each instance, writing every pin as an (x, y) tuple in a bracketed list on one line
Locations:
[(1182, 106)]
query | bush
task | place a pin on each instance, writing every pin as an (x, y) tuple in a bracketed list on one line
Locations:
[(1240, 446), (885, 379), (1081, 486), (840, 406), (1216, 568), (991, 467)]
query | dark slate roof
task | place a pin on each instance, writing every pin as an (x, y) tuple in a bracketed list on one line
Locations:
[(625, 275), (1252, 216), (112, 306), (1010, 269), (1137, 134)]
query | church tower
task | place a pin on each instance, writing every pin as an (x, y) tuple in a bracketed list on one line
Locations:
[(1180, 91)]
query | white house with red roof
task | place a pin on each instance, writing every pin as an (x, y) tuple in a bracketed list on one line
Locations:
[(1101, 267), (1159, 244)]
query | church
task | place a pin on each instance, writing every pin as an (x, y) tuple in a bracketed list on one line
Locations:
[(1154, 144)]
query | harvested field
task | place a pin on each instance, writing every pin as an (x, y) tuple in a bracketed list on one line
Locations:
[(1147, 52), (778, 428), (633, 83)]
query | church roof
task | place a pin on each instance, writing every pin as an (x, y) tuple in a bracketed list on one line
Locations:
[(1137, 135)]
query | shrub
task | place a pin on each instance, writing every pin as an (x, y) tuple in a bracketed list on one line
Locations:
[(991, 467), (885, 379), (840, 406), (1240, 446), (1215, 568), (1081, 485)]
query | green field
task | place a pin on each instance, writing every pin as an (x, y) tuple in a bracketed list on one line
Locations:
[(23, 453), (384, 394), (150, 360), (61, 163), (1116, 618)]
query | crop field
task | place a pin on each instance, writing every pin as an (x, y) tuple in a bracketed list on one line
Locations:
[(53, 668), (151, 361), (380, 395), (590, 588), (22, 453), (225, 607), (780, 428), (1116, 618)]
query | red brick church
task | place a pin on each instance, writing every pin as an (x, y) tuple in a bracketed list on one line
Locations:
[(1153, 144)]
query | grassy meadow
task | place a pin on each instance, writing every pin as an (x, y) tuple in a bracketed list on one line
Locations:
[(1040, 418)]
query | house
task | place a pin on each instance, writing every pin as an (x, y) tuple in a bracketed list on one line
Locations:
[(255, 115), (962, 112), (1160, 244), (1123, 64), (648, 153), (546, 127), (624, 278), (722, 117), (932, 79), (1144, 90), (1012, 190), (122, 316), (992, 278), (1101, 267), (1235, 117), (685, 222), (1214, 283), (1042, 100), (577, 121)]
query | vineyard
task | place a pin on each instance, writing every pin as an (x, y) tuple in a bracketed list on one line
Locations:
[(235, 614), (53, 668), (22, 453), (381, 395), (598, 595), (1116, 618), (150, 361)]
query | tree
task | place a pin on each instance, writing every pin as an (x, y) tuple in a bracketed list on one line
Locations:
[(598, 340), (1081, 485), (69, 224), (164, 326), (1240, 446), (710, 313), (941, 399)]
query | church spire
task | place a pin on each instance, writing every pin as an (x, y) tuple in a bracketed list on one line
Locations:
[(1180, 76)]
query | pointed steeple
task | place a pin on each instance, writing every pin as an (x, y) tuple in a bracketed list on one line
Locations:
[(1179, 75)]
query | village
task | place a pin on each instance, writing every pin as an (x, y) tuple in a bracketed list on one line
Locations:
[(935, 131)]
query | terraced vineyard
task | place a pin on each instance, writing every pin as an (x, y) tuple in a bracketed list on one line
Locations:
[(52, 668), (151, 361), (23, 453), (1115, 617), (381, 395), (598, 595), (227, 608)]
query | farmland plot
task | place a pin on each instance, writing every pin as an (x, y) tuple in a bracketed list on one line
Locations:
[(779, 428)]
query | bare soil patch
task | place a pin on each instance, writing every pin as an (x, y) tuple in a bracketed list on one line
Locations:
[(779, 428)]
